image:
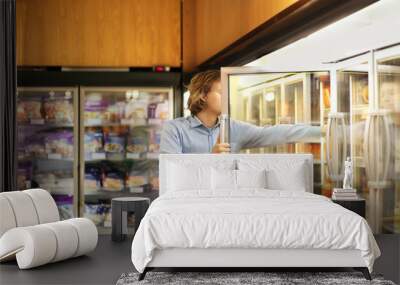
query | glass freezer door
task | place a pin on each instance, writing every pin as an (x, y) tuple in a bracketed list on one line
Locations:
[(47, 148), (120, 140), (384, 171), (265, 98)]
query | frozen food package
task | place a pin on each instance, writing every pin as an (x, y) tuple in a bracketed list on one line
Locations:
[(114, 140), (154, 180), (95, 212), (34, 109), (115, 112), (136, 109), (24, 176), (59, 110), (22, 115), (65, 206), (95, 109), (162, 111), (154, 140), (137, 141), (114, 180), (107, 216), (93, 142), (136, 178), (151, 110), (92, 180), (60, 144), (35, 145)]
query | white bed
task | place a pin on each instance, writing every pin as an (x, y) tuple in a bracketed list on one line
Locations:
[(201, 219)]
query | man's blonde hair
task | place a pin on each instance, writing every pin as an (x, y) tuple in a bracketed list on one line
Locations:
[(199, 86)]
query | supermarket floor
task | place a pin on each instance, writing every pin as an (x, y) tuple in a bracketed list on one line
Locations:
[(102, 266)]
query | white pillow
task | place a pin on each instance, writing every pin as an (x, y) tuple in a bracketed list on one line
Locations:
[(282, 174), (292, 179), (182, 177), (223, 179), (251, 178)]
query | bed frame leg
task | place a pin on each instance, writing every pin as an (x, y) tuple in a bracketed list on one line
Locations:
[(364, 271), (143, 274)]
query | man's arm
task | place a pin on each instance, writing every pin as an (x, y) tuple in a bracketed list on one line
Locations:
[(170, 141), (250, 136)]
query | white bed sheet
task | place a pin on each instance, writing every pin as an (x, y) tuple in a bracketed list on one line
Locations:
[(252, 218)]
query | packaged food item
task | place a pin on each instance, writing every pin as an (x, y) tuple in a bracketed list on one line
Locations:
[(65, 206), (114, 140), (95, 109), (113, 180), (93, 142), (60, 144), (162, 111), (92, 180), (107, 216), (115, 112), (151, 110), (154, 180), (136, 180), (137, 141), (96, 213), (154, 140), (56, 182), (35, 146), (136, 109), (24, 176), (22, 115), (58, 110), (33, 108)]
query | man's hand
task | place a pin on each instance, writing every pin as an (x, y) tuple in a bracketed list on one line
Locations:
[(221, 147)]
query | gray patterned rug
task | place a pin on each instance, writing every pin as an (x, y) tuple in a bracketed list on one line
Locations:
[(242, 278)]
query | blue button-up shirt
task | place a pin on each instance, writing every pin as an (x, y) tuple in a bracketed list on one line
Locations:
[(189, 135)]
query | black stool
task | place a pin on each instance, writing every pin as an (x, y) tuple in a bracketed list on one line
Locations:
[(120, 207)]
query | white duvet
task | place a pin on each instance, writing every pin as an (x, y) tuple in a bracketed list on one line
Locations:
[(250, 219)]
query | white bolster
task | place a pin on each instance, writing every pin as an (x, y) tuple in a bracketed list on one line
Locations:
[(87, 234), (45, 206), (37, 245), (33, 246), (7, 218), (23, 208), (66, 238)]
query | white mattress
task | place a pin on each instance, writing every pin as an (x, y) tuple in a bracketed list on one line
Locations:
[(256, 218)]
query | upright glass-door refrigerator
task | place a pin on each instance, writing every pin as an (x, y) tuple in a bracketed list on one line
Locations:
[(120, 139), (368, 94), (357, 104), (47, 144), (267, 97)]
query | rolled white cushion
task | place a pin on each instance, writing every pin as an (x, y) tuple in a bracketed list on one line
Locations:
[(87, 235), (7, 218), (37, 245), (33, 246), (66, 238), (45, 206), (23, 208)]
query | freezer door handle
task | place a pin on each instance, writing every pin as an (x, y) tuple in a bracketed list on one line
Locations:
[(377, 148), (336, 125)]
